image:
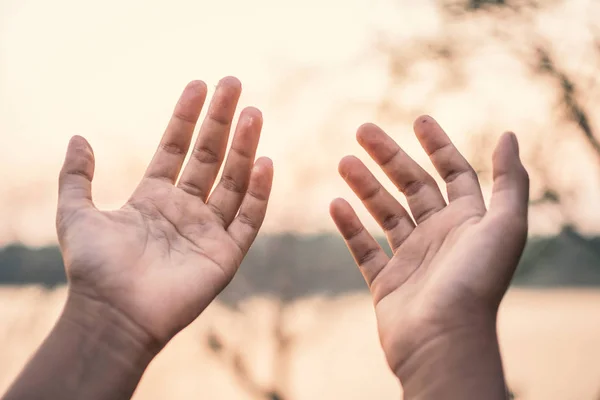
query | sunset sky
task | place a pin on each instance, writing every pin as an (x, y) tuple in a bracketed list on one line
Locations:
[(112, 70)]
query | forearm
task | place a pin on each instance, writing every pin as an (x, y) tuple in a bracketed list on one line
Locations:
[(92, 353), (465, 365)]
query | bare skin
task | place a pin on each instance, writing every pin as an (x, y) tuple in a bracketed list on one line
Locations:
[(140, 274), (437, 298)]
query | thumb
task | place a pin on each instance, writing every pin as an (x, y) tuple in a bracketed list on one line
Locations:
[(75, 179), (510, 193)]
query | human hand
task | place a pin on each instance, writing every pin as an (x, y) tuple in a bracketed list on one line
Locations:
[(439, 294), (156, 263)]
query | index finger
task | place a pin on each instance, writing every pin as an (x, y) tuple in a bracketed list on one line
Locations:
[(174, 145)]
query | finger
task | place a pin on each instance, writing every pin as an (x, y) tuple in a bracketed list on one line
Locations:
[(75, 179), (245, 226), (461, 179), (387, 211), (209, 150), (510, 192), (367, 253), (229, 193), (174, 145), (421, 191)]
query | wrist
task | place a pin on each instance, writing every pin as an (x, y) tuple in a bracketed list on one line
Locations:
[(93, 352), (102, 329), (462, 362)]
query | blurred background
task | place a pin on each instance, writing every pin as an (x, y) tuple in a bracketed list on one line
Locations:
[(297, 323)]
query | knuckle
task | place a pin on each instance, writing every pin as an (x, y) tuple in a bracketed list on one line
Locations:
[(218, 213), (411, 188), (173, 148), (390, 222), (368, 256), (246, 219), (205, 155), (372, 193), (258, 195), (388, 160), (231, 184), (192, 189), (351, 234)]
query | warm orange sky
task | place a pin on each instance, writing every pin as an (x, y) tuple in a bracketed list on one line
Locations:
[(112, 70)]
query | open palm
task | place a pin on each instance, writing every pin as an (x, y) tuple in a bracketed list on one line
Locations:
[(453, 263), (165, 255)]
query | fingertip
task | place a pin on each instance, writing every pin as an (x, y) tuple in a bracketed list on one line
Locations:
[(231, 82), (261, 178), (345, 218), (252, 112), (423, 120), (367, 126), (263, 162), (510, 193), (337, 202), (430, 134), (79, 141), (197, 86), (190, 102), (338, 207), (506, 162), (78, 145), (366, 132), (345, 164), (262, 172), (78, 168), (507, 147), (509, 136), (252, 115)]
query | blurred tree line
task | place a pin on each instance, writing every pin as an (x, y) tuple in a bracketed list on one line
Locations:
[(288, 266)]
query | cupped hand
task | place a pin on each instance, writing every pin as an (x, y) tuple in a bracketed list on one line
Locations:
[(452, 262), (160, 259)]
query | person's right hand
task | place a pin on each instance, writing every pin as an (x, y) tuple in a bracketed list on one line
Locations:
[(436, 299), (152, 266)]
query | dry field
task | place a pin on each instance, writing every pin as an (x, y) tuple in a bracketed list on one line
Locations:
[(550, 340)]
